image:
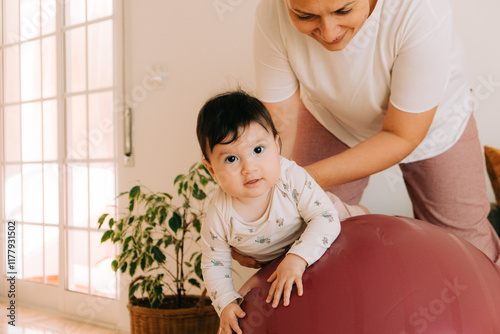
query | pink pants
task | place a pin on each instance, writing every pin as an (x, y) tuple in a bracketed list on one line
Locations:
[(448, 190)]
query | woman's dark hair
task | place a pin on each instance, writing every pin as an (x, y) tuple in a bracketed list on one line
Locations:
[(224, 115)]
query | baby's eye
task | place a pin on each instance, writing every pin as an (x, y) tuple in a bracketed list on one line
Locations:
[(230, 159), (258, 150)]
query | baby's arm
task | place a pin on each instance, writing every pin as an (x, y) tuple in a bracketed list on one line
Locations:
[(216, 266), (318, 212), (322, 229)]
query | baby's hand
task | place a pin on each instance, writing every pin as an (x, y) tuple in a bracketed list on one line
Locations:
[(289, 271), (229, 319)]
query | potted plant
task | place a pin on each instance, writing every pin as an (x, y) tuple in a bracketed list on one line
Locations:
[(155, 233)]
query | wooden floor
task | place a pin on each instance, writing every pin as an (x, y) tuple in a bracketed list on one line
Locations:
[(33, 321)]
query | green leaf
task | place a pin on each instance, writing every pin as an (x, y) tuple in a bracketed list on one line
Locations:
[(101, 219), (194, 282), (134, 192), (175, 222), (152, 217), (197, 267), (197, 225), (114, 265), (167, 240), (119, 226), (200, 195), (203, 180), (133, 289), (116, 237), (192, 256), (163, 215), (178, 177), (122, 193), (106, 235), (149, 261), (131, 205), (133, 267), (144, 262), (189, 265), (124, 267), (111, 223), (155, 304), (158, 255), (158, 290), (126, 243)]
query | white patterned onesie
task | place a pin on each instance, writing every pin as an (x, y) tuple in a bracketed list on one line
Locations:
[(300, 219)]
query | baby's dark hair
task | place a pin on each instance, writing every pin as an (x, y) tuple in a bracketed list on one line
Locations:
[(222, 117)]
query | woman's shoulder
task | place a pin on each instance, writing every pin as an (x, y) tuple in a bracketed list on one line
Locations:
[(407, 22), (407, 9)]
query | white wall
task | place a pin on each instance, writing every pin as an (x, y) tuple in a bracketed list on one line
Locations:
[(203, 54), (206, 50)]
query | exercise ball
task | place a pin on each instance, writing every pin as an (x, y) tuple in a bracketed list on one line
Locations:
[(384, 275)]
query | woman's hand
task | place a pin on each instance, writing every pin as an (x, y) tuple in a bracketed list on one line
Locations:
[(245, 261), (288, 273), (229, 319)]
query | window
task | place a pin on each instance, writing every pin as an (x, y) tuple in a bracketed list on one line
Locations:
[(57, 117)]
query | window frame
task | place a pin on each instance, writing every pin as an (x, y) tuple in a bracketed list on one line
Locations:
[(95, 308)]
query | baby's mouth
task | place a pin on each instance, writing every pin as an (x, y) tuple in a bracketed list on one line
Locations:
[(252, 181)]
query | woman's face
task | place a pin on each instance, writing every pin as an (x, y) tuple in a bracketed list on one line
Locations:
[(333, 23)]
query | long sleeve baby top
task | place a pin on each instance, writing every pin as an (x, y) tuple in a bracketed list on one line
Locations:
[(300, 219)]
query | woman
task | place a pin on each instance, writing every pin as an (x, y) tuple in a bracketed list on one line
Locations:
[(361, 85)]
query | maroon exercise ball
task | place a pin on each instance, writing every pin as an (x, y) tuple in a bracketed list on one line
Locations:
[(385, 275)]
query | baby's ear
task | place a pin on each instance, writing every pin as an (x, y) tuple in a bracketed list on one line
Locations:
[(209, 167), (278, 143)]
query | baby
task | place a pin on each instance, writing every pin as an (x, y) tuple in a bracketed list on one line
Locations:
[(266, 205)]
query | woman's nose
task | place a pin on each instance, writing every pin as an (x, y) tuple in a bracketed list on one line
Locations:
[(328, 29)]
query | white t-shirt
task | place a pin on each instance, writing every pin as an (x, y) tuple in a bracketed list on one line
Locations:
[(300, 219), (405, 53)]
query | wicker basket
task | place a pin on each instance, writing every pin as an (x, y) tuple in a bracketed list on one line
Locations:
[(201, 319)]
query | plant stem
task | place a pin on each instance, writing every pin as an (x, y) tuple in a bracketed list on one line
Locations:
[(180, 288)]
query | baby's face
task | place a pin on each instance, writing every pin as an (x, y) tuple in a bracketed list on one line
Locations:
[(248, 167)]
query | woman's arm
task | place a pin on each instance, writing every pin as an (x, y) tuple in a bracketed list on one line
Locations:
[(284, 116), (401, 133)]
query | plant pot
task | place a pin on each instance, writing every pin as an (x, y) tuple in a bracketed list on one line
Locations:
[(201, 319)]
